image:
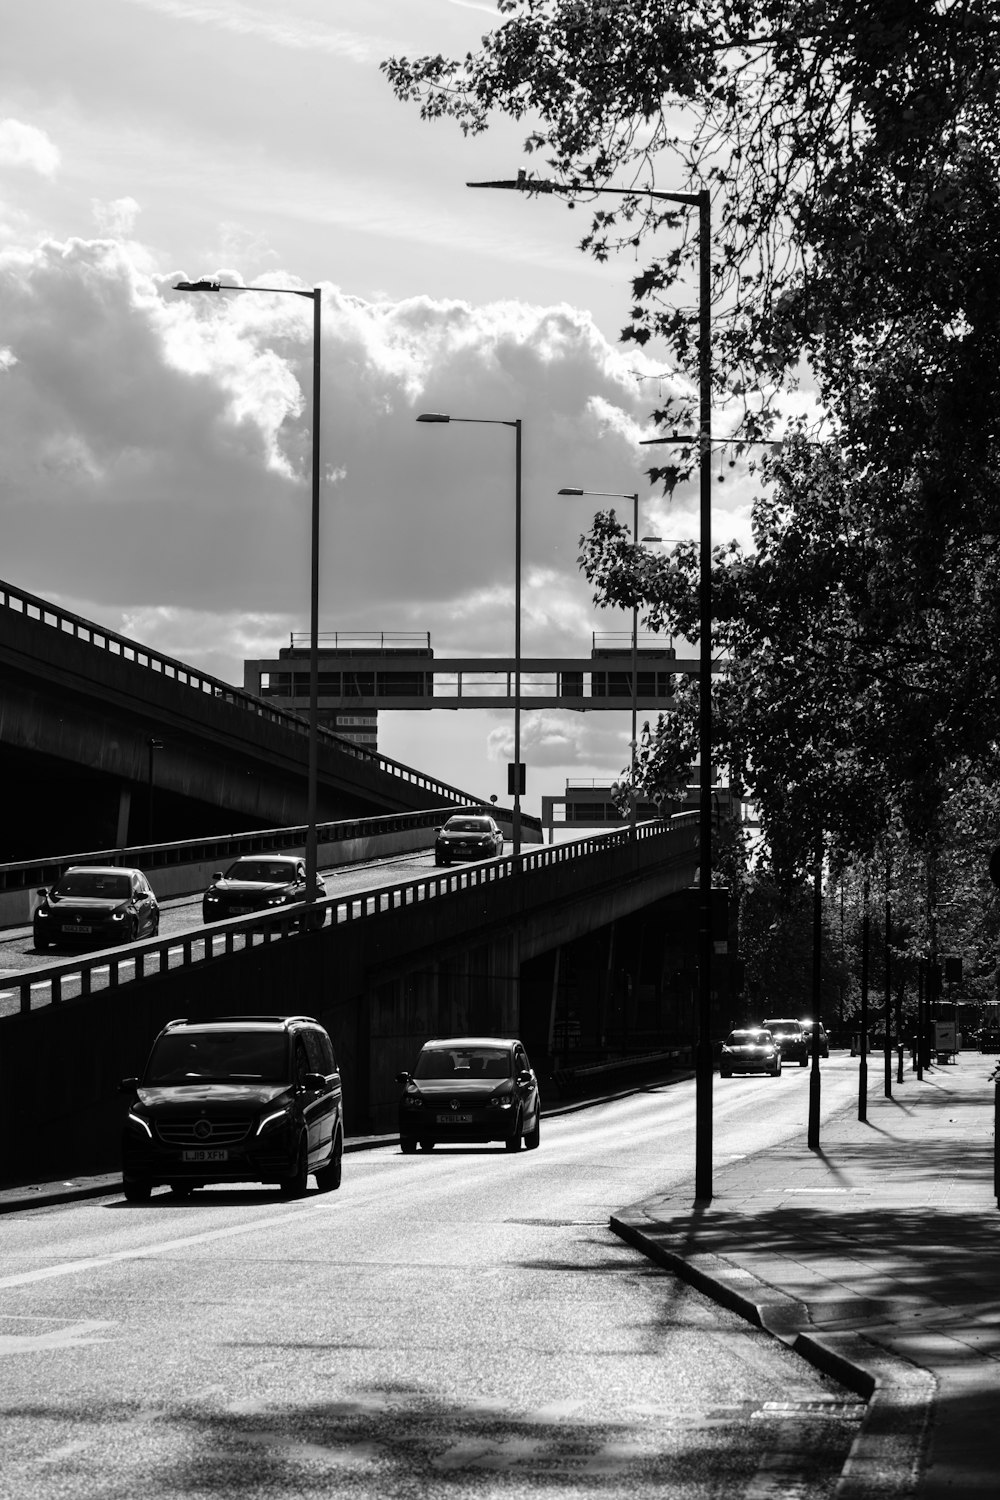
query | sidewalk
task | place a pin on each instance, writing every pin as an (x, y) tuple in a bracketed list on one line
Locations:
[(876, 1257)]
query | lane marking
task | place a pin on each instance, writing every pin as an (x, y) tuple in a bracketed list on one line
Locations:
[(96, 1262)]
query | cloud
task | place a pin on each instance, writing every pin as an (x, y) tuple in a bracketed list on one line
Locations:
[(26, 146), (281, 31), (115, 220)]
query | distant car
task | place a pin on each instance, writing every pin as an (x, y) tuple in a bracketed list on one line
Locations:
[(467, 836), (750, 1050), (788, 1033), (96, 904), (824, 1041), (235, 1099), (259, 882), (470, 1089)]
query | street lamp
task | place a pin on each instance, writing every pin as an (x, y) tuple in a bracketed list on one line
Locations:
[(515, 774), (703, 1052), (316, 298), (610, 495)]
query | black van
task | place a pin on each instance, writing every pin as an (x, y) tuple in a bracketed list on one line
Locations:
[(235, 1099)]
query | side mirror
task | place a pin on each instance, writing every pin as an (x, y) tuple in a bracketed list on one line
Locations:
[(41, 891), (404, 1077), (524, 1076), (128, 1085), (216, 874), (314, 1081)]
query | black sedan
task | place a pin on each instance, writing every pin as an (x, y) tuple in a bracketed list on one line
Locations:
[(750, 1051), (96, 904), (260, 882), (470, 1089), (467, 836)]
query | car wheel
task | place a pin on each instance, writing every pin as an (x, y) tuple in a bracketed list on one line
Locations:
[(776, 1070), (534, 1135), (513, 1142), (725, 1073), (154, 930), (427, 1144), (295, 1186), (136, 1189), (182, 1189), (328, 1177), (313, 921), (42, 945), (803, 1062), (439, 861), (408, 1145)]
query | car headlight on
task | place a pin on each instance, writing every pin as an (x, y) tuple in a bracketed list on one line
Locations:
[(119, 914), (137, 1122), (282, 899), (271, 1121), (211, 898), (502, 1100)]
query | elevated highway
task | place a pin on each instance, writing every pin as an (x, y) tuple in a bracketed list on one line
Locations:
[(110, 743)]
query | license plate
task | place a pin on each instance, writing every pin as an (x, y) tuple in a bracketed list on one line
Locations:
[(454, 1119), (79, 927), (240, 911), (205, 1155)]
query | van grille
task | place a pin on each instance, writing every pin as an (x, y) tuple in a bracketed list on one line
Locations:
[(196, 1130)]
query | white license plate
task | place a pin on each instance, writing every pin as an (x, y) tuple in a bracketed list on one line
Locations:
[(79, 927), (205, 1155), (240, 911), (454, 1119)]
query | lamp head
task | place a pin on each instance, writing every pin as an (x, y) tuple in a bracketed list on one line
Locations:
[(204, 285), (433, 416), (572, 491)]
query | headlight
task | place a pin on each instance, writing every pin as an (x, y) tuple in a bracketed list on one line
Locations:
[(211, 899), (277, 1116), (136, 1120), (120, 914), (41, 911), (501, 1101), (411, 1101), (281, 900)]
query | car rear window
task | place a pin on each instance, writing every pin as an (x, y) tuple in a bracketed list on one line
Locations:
[(218, 1057), (464, 1063)]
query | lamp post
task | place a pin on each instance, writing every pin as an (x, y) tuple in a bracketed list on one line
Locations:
[(152, 745), (316, 298), (634, 497), (515, 774), (703, 1052)]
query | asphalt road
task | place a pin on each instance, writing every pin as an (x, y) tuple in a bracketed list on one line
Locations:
[(460, 1323)]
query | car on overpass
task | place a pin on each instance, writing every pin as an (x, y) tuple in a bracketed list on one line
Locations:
[(468, 836), (260, 882), (470, 1089), (96, 904), (235, 1099)]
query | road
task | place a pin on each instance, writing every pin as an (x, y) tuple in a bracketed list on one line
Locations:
[(182, 915), (461, 1323)]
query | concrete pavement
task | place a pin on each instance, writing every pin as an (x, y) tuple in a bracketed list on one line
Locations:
[(876, 1257)]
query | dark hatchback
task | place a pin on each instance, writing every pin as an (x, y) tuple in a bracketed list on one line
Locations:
[(260, 882), (470, 1089), (467, 836), (96, 904), (235, 1099), (790, 1037)]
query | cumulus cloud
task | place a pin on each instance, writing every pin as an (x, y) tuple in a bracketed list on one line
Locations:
[(26, 146)]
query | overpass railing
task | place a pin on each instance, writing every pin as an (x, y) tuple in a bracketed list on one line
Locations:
[(44, 986), (31, 607)]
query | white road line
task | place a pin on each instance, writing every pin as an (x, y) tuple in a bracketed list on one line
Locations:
[(95, 1262)]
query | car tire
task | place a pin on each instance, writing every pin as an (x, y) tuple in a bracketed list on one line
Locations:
[(408, 1145), (803, 1062), (328, 1178), (427, 1144), (136, 1189), (776, 1070), (513, 1141), (42, 945), (534, 1135), (182, 1189), (154, 931), (725, 1073), (313, 921), (296, 1185), (439, 861)]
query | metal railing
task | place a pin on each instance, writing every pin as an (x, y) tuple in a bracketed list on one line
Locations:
[(155, 956), (31, 607)]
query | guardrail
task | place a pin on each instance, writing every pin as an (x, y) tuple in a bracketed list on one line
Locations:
[(155, 956), (31, 607)]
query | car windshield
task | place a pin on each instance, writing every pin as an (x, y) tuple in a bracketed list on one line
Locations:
[(464, 1063), (262, 871), (94, 883), (467, 825), (747, 1038), (218, 1057)]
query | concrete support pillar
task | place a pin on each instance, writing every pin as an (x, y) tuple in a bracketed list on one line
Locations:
[(124, 808)]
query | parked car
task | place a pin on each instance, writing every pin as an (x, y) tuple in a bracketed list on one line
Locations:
[(824, 1040), (788, 1033), (468, 836), (750, 1050), (235, 1099), (96, 904), (470, 1089), (260, 882)]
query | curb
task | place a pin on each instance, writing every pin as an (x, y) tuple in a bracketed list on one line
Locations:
[(885, 1457)]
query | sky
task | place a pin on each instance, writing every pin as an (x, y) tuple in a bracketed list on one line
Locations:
[(155, 446)]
